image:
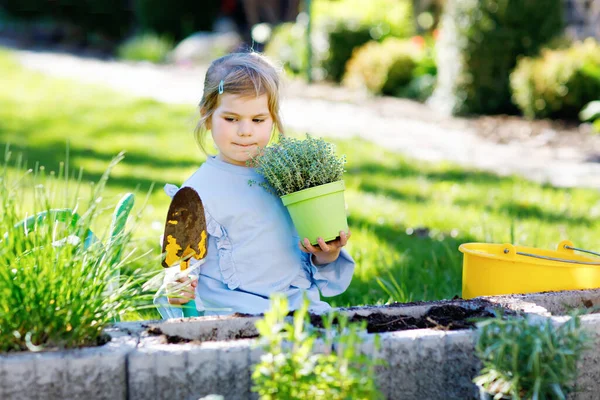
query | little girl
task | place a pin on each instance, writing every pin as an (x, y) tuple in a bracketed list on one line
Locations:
[(253, 248)]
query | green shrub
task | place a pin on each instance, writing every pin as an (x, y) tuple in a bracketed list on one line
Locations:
[(384, 67), (525, 360), (288, 45), (54, 291), (385, 17), (352, 23), (147, 47), (558, 83), (290, 369), (177, 21), (343, 38), (479, 43)]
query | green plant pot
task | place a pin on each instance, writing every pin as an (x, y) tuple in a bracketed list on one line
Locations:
[(318, 212)]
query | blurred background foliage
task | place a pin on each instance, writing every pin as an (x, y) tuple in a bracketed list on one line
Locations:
[(461, 56)]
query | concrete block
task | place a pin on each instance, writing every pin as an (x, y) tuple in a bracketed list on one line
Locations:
[(90, 373), (190, 371), (97, 373), (431, 354), (234, 364), (401, 373), (256, 352), (213, 328), (587, 384), (382, 371), (460, 364), (52, 376), (203, 370), (17, 377)]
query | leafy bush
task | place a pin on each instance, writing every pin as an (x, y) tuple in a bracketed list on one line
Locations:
[(55, 291), (526, 360), (591, 112), (343, 38), (352, 23), (558, 83), (479, 43), (288, 45), (383, 67), (147, 47), (187, 17), (293, 164), (385, 17), (290, 369)]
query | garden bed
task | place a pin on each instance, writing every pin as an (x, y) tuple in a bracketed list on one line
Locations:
[(213, 354)]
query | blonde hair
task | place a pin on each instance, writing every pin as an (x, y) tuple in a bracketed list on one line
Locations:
[(245, 74)]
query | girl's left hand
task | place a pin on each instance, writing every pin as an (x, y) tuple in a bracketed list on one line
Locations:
[(326, 252)]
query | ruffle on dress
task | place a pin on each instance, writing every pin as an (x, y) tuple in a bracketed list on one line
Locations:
[(224, 247)]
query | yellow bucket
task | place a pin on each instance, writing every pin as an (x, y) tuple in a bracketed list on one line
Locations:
[(494, 269)]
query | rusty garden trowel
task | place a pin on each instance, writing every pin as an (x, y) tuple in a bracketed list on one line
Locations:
[(185, 235)]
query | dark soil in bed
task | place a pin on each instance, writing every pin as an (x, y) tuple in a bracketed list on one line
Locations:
[(445, 317)]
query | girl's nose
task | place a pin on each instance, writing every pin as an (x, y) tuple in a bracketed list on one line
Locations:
[(244, 128)]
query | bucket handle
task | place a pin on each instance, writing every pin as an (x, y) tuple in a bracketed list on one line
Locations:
[(565, 246)]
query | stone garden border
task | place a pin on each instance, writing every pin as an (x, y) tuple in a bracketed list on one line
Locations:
[(193, 358)]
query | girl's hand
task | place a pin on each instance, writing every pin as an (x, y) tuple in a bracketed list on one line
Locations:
[(325, 253), (182, 290)]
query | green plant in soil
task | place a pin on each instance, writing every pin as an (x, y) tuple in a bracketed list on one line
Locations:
[(291, 164), (527, 360), (291, 370), (56, 291)]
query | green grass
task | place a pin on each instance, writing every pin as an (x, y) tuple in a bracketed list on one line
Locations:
[(388, 195)]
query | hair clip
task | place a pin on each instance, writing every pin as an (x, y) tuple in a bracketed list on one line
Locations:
[(221, 88)]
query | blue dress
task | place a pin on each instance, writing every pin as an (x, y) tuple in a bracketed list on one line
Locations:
[(252, 249)]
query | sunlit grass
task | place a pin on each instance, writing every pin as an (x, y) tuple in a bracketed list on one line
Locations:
[(407, 217)]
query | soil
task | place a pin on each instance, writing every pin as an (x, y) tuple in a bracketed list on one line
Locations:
[(445, 317)]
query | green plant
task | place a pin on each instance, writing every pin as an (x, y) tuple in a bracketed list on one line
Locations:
[(146, 47), (591, 112), (479, 43), (290, 370), (292, 164), (349, 24), (288, 45), (384, 67), (57, 289), (524, 359), (558, 83)]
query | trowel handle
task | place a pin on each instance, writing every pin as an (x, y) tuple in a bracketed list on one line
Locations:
[(189, 309)]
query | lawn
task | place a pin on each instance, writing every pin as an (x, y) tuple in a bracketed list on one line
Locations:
[(407, 217)]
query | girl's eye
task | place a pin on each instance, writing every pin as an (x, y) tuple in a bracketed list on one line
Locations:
[(258, 120), (229, 119)]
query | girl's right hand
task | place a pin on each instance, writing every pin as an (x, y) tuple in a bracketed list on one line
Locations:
[(182, 290)]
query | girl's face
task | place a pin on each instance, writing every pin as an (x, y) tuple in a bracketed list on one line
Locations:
[(240, 125)]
